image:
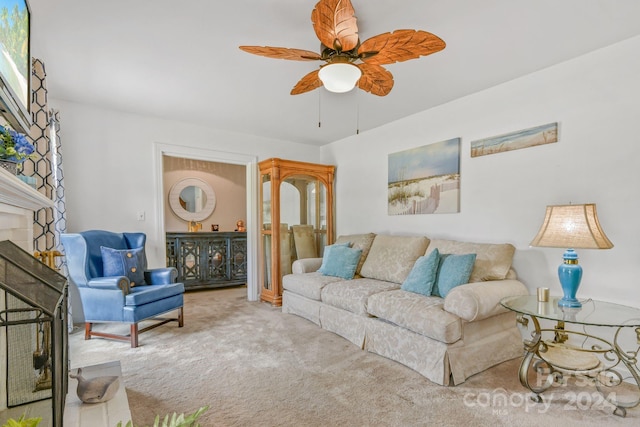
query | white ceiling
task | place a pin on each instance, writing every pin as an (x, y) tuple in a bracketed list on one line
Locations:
[(180, 59)]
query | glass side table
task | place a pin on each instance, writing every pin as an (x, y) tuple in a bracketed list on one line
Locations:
[(553, 352)]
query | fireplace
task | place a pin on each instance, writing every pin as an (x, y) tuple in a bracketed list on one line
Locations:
[(33, 336)]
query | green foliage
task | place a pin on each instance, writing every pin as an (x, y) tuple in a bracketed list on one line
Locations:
[(22, 422), (175, 420)]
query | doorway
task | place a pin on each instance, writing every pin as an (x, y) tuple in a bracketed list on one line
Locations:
[(198, 154)]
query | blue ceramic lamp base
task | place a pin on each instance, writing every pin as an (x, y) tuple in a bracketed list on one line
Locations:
[(570, 274)]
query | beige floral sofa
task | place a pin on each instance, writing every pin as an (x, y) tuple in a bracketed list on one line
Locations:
[(445, 339)]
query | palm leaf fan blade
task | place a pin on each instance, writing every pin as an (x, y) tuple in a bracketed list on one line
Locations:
[(282, 53), (375, 79), (398, 46), (308, 83), (335, 24)]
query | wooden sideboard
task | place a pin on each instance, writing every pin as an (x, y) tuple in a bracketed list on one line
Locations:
[(208, 260)]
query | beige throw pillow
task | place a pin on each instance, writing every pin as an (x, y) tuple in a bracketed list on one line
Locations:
[(359, 241), (391, 258), (493, 261)]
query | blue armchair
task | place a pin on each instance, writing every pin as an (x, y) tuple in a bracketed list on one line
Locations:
[(110, 271)]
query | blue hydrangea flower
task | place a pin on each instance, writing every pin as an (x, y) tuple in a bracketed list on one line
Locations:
[(22, 145), (14, 146)]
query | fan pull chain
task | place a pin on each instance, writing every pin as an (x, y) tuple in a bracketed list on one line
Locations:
[(319, 108), (357, 113)]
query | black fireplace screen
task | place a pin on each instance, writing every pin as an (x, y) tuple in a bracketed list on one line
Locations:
[(33, 318)]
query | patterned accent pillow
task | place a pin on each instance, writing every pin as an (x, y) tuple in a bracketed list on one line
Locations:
[(493, 261), (391, 258), (423, 274), (124, 262), (340, 261), (453, 270)]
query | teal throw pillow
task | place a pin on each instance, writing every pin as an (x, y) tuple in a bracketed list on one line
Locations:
[(324, 254), (340, 261), (423, 274), (453, 270), (124, 262)]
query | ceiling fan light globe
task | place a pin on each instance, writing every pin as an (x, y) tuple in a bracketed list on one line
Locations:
[(339, 78)]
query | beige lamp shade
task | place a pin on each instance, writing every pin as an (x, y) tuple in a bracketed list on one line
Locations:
[(572, 226)]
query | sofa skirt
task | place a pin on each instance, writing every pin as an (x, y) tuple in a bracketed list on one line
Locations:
[(470, 358), (489, 341), (348, 325), (422, 354), (301, 306)]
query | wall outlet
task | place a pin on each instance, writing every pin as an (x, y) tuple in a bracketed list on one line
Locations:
[(141, 216)]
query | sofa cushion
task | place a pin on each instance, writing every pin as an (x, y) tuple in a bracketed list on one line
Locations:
[(148, 294), (352, 295), (421, 314), (340, 261), (493, 261), (391, 258), (423, 274), (453, 270), (308, 285), (359, 241)]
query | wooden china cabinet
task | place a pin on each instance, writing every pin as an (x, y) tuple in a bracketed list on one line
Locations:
[(296, 217)]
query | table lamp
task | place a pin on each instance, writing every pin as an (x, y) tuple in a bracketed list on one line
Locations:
[(573, 227)]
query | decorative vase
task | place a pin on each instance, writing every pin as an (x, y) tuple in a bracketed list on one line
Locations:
[(10, 166)]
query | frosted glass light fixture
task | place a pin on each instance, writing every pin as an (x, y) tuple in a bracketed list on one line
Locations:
[(571, 226), (339, 77)]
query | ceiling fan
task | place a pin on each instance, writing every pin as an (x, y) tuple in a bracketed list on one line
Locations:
[(349, 62)]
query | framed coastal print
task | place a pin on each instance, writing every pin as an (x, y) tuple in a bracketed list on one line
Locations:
[(539, 135), (425, 180)]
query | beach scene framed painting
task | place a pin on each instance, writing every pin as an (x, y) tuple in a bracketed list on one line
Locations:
[(539, 135), (425, 180)]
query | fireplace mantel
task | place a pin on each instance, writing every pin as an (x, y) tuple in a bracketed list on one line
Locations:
[(18, 201), (16, 193)]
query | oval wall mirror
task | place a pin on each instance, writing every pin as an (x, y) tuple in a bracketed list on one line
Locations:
[(192, 199)]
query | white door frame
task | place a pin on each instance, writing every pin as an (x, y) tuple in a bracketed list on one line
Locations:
[(250, 162)]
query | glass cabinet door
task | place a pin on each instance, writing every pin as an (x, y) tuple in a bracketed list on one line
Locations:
[(302, 200), (316, 213), (296, 218), (265, 221)]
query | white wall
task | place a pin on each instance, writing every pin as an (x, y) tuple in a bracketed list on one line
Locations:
[(595, 99), (109, 165)]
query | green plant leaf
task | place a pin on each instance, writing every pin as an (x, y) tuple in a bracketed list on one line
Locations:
[(176, 420), (23, 422)]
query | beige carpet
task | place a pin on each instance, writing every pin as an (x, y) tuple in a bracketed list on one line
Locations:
[(255, 366)]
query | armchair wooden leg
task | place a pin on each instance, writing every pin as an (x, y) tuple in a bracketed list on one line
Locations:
[(134, 335), (134, 331)]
